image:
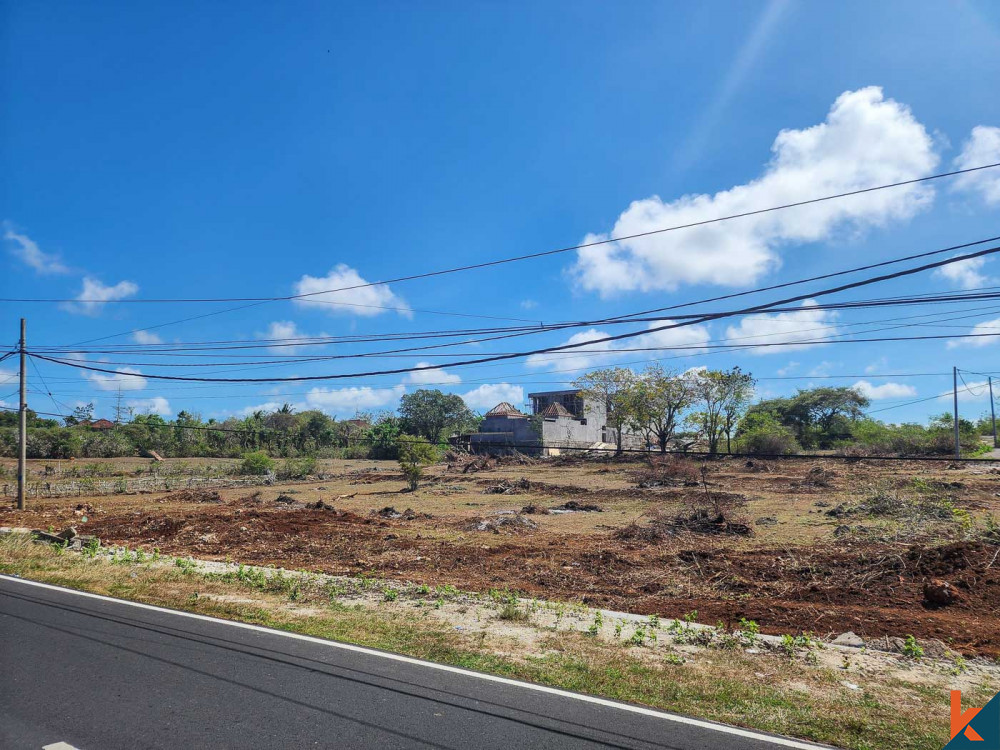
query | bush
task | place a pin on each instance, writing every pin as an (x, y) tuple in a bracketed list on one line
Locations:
[(297, 468), (257, 463), (414, 454), (764, 435), (382, 439), (779, 441)]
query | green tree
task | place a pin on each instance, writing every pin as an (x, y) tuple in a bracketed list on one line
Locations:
[(82, 413), (383, 437), (819, 417), (659, 397), (722, 395), (414, 454), (428, 412), (614, 388)]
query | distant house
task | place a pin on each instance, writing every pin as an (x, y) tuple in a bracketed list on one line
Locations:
[(504, 429), (100, 424), (559, 420), (571, 421)]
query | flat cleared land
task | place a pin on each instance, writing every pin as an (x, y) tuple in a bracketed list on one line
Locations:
[(834, 546)]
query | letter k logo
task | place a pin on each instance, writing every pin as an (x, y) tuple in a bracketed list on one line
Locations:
[(959, 720)]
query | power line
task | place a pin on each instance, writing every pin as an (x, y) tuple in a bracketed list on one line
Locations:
[(544, 253), (564, 347), (195, 349), (291, 359)]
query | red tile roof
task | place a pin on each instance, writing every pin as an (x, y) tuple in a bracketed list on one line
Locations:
[(555, 409), (503, 409)]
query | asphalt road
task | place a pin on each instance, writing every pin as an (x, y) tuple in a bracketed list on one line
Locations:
[(98, 673)]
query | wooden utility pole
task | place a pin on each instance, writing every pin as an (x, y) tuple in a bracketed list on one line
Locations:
[(954, 380), (993, 413), (22, 428)]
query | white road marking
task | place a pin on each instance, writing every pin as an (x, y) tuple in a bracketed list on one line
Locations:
[(58, 746), (722, 728)]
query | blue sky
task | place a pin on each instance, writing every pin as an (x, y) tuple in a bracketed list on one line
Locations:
[(173, 150)]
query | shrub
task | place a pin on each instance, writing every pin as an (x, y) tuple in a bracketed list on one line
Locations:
[(761, 433), (414, 454), (256, 463), (770, 440), (297, 468)]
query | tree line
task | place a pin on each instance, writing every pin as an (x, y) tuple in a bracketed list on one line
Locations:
[(703, 409)]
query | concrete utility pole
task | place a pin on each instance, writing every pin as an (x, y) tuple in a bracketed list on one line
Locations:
[(954, 379), (993, 413), (22, 429)]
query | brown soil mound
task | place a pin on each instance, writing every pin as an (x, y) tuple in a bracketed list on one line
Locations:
[(192, 496), (506, 523)]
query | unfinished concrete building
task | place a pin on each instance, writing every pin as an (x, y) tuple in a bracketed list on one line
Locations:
[(505, 429)]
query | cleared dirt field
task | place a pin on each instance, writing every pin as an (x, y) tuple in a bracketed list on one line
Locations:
[(806, 545)]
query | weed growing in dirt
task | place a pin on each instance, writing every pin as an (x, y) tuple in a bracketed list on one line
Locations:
[(513, 613), (639, 636), (912, 649), (961, 665), (618, 629), (390, 595), (595, 626), (92, 547), (750, 631)]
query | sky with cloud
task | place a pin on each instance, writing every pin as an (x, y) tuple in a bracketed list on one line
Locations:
[(317, 147)]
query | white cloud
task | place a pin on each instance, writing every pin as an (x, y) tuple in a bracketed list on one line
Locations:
[(365, 301), (489, 395), (349, 400), (823, 368), (968, 391), (27, 251), (603, 354), (155, 405), (125, 378), (808, 323), (9, 376), (788, 369), (145, 337), (528, 304), (886, 390), (964, 274), (282, 329), (880, 364), (986, 332), (982, 147), (865, 140), (435, 375), (96, 294)]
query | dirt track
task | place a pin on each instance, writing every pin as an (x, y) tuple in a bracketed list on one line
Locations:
[(793, 575)]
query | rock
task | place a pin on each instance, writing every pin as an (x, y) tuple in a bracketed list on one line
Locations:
[(67, 534), (842, 530), (767, 521), (850, 638), (938, 593), (935, 649)]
